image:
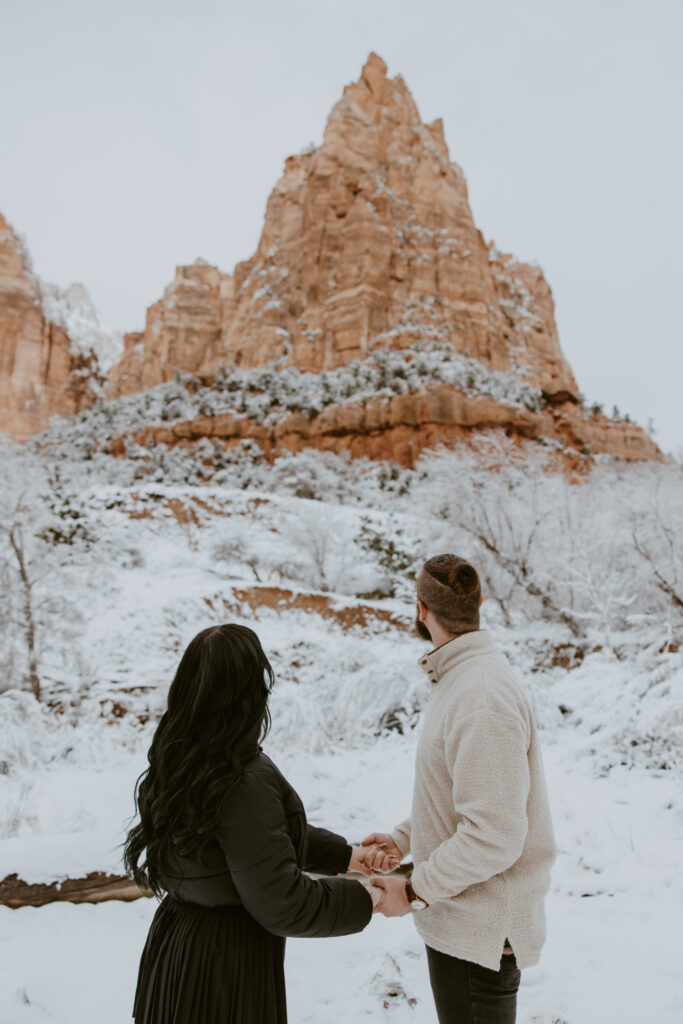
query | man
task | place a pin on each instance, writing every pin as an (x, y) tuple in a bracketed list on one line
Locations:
[(480, 831)]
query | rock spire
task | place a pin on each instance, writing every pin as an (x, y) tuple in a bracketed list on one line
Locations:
[(368, 240)]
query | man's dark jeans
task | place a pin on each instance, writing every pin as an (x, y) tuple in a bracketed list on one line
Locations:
[(466, 993)]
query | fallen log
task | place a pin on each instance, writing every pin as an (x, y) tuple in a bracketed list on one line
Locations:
[(94, 888)]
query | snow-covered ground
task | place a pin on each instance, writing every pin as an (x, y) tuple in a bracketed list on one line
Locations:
[(113, 611), (613, 950)]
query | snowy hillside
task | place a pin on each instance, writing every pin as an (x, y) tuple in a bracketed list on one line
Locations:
[(126, 559)]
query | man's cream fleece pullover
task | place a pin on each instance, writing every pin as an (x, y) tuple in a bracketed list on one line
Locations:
[(480, 829)]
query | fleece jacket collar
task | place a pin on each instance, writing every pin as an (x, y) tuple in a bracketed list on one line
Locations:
[(452, 654)]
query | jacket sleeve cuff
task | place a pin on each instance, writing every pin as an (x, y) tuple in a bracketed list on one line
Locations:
[(401, 836), (327, 852), (342, 859), (422, 887)]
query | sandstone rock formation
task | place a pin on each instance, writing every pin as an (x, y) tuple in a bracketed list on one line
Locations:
[(368, 243), (182, 332), (403, 426), (42, 374), (368, 240)]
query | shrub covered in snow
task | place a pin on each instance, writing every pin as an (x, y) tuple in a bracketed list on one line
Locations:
[(270, 394)]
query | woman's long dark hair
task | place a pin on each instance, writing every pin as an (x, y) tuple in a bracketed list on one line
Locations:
[(216, 717)]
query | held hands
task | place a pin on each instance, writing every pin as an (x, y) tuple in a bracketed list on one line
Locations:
[(366, 859), (388, 896), (379, 852), (394, 900), (376, 895)]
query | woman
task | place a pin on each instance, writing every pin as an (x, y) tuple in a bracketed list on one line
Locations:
[(225, 837)]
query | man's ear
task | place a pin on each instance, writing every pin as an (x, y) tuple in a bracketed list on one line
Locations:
[(481, 600), (422, 610)]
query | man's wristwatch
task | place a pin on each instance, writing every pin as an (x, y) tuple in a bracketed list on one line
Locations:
[(415, 901)]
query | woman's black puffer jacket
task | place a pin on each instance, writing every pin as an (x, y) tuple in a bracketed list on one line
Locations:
[(258, 856)]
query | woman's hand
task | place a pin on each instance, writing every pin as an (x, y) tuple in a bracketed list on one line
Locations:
[(357, 862), (381, 853), (368, 858)]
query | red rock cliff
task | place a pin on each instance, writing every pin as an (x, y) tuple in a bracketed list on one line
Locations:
[(367, 240), (41, 373)]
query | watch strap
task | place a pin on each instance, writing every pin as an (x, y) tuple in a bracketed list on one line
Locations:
[(416, 902)]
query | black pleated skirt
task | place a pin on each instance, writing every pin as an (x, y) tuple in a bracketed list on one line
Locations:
[(209, 965)]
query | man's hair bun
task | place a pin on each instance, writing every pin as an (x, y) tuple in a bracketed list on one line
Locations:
[(449, 587), (462, 578)]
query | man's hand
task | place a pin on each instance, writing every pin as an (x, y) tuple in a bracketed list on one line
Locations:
[(377, 896), (382, 853), (395, 902)]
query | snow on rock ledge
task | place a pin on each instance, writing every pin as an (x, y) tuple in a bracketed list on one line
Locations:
[(73, 310)]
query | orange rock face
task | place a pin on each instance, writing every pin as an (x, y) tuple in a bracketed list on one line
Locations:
[(183, 331), (403, 426), (40, 374), (368, 240)]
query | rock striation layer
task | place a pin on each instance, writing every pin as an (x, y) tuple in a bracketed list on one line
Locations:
[(42, 373), (402, 427)]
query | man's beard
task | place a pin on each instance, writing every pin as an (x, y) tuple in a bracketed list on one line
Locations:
[(422, 629)]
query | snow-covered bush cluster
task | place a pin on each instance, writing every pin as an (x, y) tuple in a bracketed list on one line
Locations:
[(600, 555), (272, 393)]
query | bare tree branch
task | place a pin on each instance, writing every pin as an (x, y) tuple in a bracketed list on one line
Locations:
[(664, 585), (16, 540)]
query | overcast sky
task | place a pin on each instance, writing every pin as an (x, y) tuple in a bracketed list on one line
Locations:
[(137, 135)]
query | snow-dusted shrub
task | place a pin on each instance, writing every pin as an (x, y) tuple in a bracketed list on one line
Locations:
[(66, 521), (629, 709), (320, 549), (395, 550), (323, 476), (44, 532), (503, 512), (241, 547), (345, 689), (30, 734), (599, 556), (655, 523)]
